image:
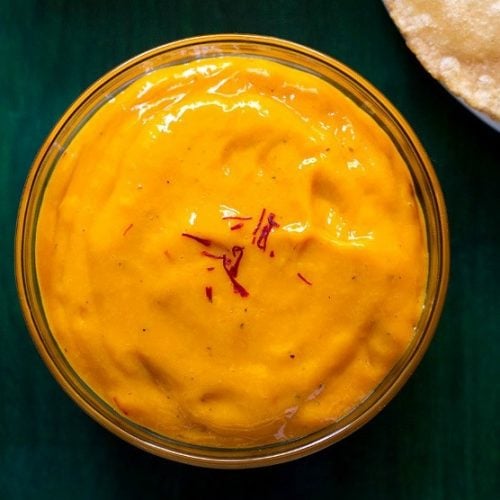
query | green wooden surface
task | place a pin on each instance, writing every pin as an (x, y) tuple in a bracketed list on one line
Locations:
[(438, 439)]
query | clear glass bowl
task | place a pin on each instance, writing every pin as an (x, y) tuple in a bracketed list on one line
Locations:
[(360, 92)]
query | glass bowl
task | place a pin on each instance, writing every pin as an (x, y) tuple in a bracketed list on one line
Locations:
[(366, 97)]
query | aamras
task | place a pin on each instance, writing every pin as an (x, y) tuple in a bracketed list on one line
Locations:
[(230, 252)]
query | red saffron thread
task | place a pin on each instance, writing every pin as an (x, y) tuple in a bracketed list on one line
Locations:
[(203, 241), (258, 225), (211, 255), (231, 267), (237, 288), (240, 290), (266, 231), (127, 229), (236, 226), (208, 293), (236, 217), (210, 268), (271, 254), (304, 279), (232, 270)]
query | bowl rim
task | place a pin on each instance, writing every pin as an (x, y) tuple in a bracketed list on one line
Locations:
[(224, 458)]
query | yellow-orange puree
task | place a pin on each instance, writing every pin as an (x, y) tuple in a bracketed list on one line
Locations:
[(230, 252)]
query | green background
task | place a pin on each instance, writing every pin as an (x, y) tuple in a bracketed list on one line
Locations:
[(438, 439)]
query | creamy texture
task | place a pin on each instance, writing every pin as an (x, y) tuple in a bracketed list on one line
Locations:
[(230, 252)]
